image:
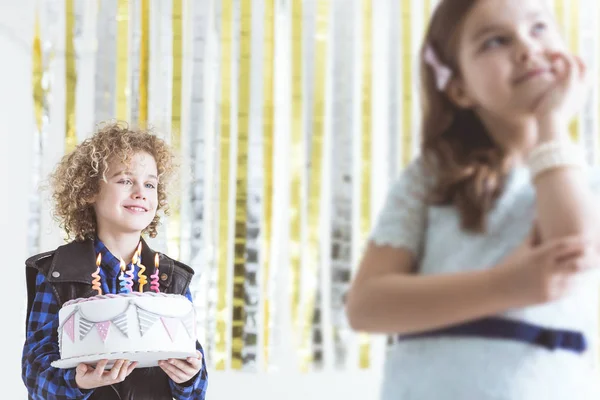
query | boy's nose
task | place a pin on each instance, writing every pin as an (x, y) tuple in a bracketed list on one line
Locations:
[(139, 196)]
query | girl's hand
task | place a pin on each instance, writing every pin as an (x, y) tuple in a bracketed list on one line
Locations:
[(565, 97), (181, 371), (539, 273), (88, 377)]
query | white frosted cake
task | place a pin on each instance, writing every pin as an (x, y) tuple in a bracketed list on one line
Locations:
[(142, 327)]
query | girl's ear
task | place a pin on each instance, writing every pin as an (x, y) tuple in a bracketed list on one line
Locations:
[(458, 94)]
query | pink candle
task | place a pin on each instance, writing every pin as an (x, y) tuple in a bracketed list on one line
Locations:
[(154, 276)]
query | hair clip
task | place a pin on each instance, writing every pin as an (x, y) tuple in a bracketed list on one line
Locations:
[(441, 71)]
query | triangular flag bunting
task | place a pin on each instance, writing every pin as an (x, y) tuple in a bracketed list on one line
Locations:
[(120, 321), (146, 320), (103, 328), (69, 327), (189, 322), (171, 325), (84, 327)]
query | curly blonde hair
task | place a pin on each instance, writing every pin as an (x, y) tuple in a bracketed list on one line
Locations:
[(76, 180)]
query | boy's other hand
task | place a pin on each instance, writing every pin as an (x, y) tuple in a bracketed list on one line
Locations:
[(88, 377), (181, 371)]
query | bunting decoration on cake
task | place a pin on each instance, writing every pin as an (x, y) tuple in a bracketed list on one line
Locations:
[(120, 321), (189, 322), (69, 327), (85, 327), (146, 320), (171, 325), (103, 328)]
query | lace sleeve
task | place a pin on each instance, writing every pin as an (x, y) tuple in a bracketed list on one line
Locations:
[(402, 221), (594, 179)]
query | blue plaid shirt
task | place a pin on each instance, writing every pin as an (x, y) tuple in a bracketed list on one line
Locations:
[(45, 382)]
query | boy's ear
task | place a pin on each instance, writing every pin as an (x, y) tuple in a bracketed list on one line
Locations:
[(458, 94)]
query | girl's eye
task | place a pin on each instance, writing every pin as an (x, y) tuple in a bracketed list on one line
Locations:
[(494, 42), (150, 186), (125, 181), (539, 27)]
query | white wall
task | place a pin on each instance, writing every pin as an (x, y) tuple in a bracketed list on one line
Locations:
[(16, 136)]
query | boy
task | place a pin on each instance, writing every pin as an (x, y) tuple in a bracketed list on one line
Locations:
[(106, 195)]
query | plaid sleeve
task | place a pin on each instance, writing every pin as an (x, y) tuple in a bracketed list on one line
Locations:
[(195, 388), (43, 381)]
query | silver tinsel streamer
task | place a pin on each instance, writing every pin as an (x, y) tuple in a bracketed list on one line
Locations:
[(197, 133), (106, 58), (212, 222), (395, 163), (255, 194), (198, 251), (341, 214), (48, 21), (160, 86), (309, 40)]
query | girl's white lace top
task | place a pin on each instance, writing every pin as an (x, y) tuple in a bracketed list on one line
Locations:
[(477, 368)]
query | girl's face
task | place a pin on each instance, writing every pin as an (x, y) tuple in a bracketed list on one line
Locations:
[(504, 59), (127, 201)]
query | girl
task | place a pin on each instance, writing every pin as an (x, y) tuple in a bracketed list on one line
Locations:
[(482, 259), (107, 193)]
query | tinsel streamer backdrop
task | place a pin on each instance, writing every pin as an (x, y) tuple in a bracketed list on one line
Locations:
[(291, 117)]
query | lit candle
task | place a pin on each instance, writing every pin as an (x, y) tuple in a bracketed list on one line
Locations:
[(154, 276), (142, 280), (129, 276), (96, 275), (122, 280)]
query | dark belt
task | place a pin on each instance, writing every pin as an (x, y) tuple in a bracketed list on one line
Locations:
[(499, 328)]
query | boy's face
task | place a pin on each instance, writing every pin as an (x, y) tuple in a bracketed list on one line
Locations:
[(127, 201)]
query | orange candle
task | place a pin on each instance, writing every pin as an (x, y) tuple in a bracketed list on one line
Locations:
[(96, 275)]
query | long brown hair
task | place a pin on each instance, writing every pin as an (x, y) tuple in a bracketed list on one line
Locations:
[(467, 163)]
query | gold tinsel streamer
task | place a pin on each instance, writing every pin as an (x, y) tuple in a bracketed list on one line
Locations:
[(297, 162), (366, 151), (122, 110), (407, 86), (224, 154), (268, 154), (559, 9), (71, 77), (144, 64), (574, 44), (174, 223), (38, 70), (241, 198), (315, 182)]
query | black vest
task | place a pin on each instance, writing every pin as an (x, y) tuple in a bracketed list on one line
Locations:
[(69, 268)]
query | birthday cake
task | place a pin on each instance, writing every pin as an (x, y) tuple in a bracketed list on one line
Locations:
[(142, 327)]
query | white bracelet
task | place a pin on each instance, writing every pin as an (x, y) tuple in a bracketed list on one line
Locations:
[(554, 154)]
